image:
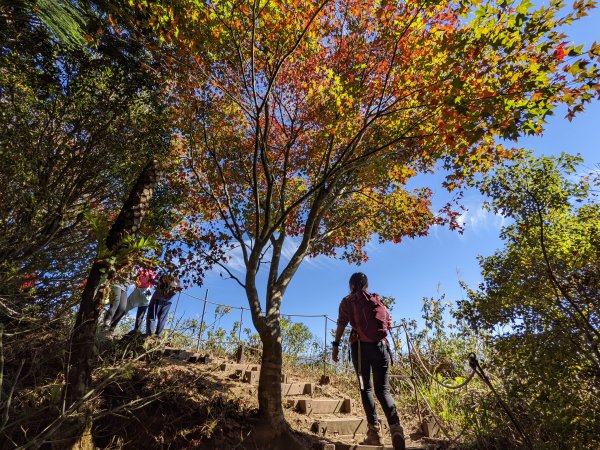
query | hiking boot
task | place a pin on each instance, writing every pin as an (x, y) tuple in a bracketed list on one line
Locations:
[(397, 436), (374, 436)]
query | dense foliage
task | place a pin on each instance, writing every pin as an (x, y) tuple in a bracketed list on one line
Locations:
[(77, 126), (539, 298)]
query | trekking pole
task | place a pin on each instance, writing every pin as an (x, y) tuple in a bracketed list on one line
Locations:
[(202, 322), (360, 378)]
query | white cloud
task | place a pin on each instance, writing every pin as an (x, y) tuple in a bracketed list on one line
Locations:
[(235, 261), (236, 264), (476, 218)]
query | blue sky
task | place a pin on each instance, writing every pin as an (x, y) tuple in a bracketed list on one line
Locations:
[(420, 267)]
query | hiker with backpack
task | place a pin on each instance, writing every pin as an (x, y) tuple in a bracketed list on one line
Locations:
[(370, 321), (160, 304), (139, 298), (141, 295)]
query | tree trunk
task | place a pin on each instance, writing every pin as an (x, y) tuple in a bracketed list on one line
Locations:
[(84, 333), (273, 432), (269, 387), (80, 365)]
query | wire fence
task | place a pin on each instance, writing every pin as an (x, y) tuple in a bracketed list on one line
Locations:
[(211, 333), (405, 348)]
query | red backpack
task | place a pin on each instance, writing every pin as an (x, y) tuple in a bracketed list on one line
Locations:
[(370, 317)]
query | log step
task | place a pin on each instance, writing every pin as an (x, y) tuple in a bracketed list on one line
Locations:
[(289, 389), (184, 355), (200, 359), (171, 351), (322, 406), (253, 376), (342, 427), (340, 446), (232, 367), (430, 428)]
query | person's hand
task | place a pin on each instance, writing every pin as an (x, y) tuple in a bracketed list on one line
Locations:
[(334, 354)]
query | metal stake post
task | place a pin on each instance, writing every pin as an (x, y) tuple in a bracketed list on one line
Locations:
[(202, 322), (325, 350)]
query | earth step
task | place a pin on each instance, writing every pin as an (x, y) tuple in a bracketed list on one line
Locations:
[(341, 426), (290, 389), (323, 406), (200, 359), (339, 446), (232, 367), (171, 351)]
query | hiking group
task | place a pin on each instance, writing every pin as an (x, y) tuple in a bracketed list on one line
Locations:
[(156, 305), (364, 311), (371, 355)]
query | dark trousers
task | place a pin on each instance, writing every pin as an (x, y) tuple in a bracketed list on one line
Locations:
[(375, 359), (118, 307), (158, 310), (139, 317)]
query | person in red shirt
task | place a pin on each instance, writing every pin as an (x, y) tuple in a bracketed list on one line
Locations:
[(370, 355), (141, 295)]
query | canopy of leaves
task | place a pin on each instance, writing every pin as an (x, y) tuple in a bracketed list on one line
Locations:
[(309, 119)]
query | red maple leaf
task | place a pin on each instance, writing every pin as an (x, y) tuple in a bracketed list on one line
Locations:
[(560, 52)]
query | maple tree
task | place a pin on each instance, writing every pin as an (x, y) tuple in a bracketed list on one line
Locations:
[(305, 121)]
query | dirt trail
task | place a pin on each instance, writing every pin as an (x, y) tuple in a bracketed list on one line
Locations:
[(326, 412)]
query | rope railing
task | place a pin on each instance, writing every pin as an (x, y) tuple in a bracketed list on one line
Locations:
[(431, 375), (412, 349), (210, 302), (206, 301)]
